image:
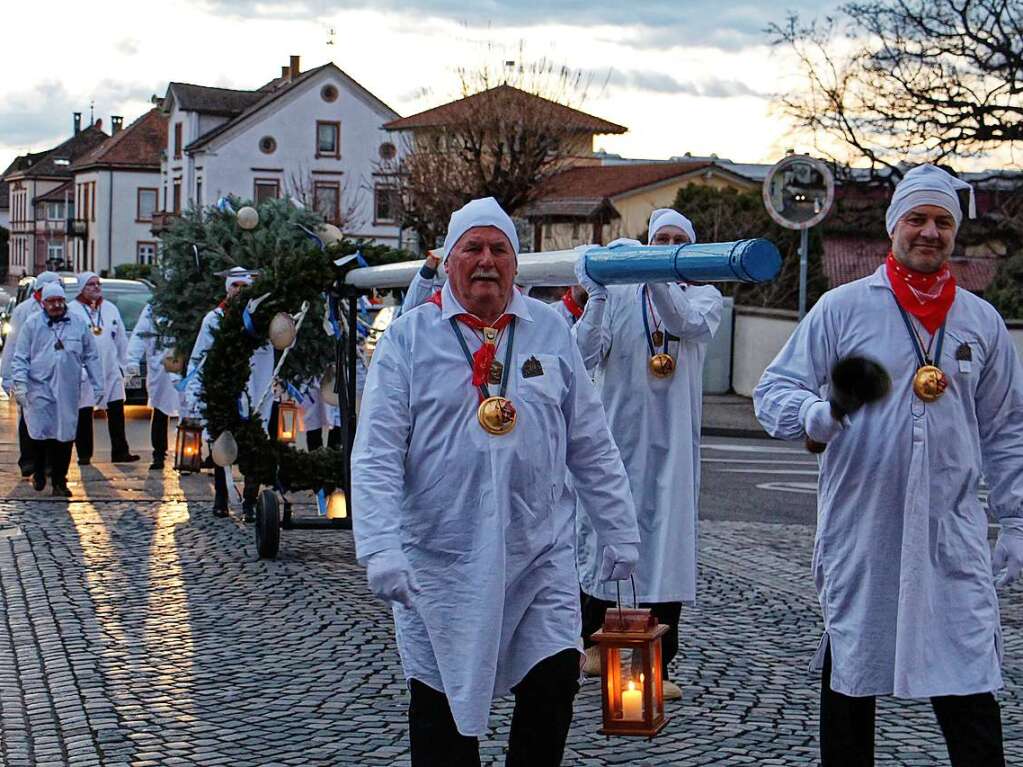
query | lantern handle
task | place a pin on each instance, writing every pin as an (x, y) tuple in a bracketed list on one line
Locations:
[(635, 604)]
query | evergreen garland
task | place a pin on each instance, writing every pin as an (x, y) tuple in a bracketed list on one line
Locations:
[(293, 269)]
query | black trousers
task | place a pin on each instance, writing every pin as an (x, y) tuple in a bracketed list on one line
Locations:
[(539, 727), (250, 490), (84, 440), (26, 447), (158, 434), (83, 435), (56, 454), (667, 613), (314, 439), (971, 724)]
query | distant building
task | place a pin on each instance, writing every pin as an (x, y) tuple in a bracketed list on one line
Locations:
[(115, 192), (315, 136), (42, 201)]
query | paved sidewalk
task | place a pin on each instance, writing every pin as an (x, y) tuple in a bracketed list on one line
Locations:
[(146, 633), (730, 415)]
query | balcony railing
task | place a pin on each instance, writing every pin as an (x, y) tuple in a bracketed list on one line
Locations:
[(162, 220)]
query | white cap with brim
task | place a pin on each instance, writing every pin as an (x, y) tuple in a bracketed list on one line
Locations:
[(84, 278), (928, 185), (669, 217), (482, 212), (52, 290)]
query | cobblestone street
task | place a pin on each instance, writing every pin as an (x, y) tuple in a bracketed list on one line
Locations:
[(149, 634)]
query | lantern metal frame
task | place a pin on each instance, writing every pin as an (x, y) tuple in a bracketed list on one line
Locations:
[(189, 434), (285, 410), (635, 630)]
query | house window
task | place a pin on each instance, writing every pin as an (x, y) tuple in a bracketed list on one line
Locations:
[(266, 189), (177, 141), (328, 139), (54, 211), (55, 251), (268, 145), (386, 204), (387, 151), (198, 193), (92, 201), (328, 93), (177, 197), (145, 252), (327, 201), (145, 204)]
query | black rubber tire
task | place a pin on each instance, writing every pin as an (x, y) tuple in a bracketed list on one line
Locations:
[(268, 525)]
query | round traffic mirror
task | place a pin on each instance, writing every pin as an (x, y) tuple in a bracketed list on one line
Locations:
[(798, 192)]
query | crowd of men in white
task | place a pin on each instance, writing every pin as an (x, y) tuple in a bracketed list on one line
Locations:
[(514, 459)]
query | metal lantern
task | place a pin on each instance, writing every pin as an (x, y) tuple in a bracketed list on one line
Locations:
[(188, 447), (287, 422), (630, 654), (337, 505)]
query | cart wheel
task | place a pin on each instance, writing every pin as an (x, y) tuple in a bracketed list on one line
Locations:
[(268, 525)]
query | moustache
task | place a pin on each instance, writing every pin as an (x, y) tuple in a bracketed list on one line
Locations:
[(485, 274)]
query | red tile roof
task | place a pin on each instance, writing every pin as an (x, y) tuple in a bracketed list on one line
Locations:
[(850, 258), (137, 146), (56, 163), (508, 100), (600, 181)]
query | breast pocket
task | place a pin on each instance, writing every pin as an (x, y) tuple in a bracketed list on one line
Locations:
[(538, 378), (962, 359)]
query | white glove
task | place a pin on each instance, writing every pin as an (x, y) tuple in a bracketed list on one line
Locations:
[(593, 288), (20, 394), (618, 561), (390, 577), (820, 425), (1008, 554), (131, 370)]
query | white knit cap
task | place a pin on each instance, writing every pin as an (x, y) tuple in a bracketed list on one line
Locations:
[(482, 212), (52, 290), (238, 274), (927, 185), (44, 278), (669, 217), (83, 278)]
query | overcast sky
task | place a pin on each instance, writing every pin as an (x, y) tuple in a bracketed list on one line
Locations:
[(683, 75)]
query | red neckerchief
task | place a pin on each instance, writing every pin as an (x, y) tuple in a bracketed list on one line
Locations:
[(38, 296), (222, 305), (570, 303), (928, 297), (483, 358)]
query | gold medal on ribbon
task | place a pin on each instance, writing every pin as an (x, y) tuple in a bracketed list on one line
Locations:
[(657, 337), (662, 365), (929, 383), (496, 415), (97, 330)]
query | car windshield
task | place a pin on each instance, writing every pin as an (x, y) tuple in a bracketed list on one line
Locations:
[(130, 298)]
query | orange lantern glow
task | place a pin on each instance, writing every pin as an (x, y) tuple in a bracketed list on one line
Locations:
[(287, 422), (188, 447)]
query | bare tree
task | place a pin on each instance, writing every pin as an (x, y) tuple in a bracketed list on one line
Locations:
[(349, 203), (917, 79), (514, 128)]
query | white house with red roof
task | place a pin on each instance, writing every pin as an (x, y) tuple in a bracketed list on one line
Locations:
[(115, 193), (315, 136)]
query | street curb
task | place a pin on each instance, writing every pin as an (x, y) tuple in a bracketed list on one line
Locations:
[(724, 431)]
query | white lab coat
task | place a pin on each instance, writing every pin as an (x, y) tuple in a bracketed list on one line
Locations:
[(478, 516), (112, 345), (146, 344), (261, 366), (656, 423), (901, 558), (420, 289), (18, 318), (52, 377)]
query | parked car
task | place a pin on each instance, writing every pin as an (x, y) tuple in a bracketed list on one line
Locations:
[(130, 297)]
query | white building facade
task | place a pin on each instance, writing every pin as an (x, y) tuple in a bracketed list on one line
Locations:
[(315, 136)]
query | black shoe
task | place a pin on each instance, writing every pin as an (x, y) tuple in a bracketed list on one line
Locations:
[(61, 490), (156, 465), (219, 512), (249, 512), (85, 462), (126, 458), (39, 484)]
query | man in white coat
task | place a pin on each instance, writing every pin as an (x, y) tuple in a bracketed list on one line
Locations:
[(901, 560), (31, 305), (104, 322), (54, 349), (477, 406), (164, 398), (261, 367), (646, 345)]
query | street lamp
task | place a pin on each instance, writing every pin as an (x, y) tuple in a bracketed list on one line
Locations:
[(633, 695)]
